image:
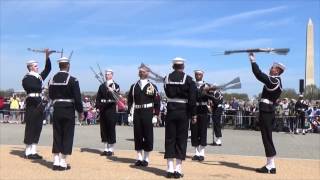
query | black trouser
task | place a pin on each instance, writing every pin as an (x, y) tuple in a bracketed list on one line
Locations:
[(199, 130), (108, 119), (85, 114), (63, 129), (176, 134), (216, 125), (143, 129), (163, 119), (266, 120), (33, 119), (292, 123), (301, 120)]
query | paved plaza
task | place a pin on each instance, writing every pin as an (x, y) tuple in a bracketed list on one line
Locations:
[(241, 153)]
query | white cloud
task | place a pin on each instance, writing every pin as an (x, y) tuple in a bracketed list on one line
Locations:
[(227, 20), (123, 41), (175, 42)]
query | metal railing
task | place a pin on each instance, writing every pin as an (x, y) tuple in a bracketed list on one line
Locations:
[(236, 121)]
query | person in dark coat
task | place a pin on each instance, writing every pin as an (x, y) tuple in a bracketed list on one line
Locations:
[(32, 84), (107, 105), (300, 108), (217, 110), (199, 128), (181, 93), (144, 99), (271, 92), (64, 92)]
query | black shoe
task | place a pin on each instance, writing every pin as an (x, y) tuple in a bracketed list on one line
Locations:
[(109, 153), (28, 156), (195, 158), (144, 163), (201, 158), (64, 168), (55, 168), (34, 156), (138, 163), (177, 175), (170, 175), (104, 153), (264, 169)]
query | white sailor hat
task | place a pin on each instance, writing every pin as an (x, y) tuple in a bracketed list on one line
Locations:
[(30, 62), (178, 60), (300, 95), (198, 72), (63, 60), (143, 68), (279, 65), (107, 71)]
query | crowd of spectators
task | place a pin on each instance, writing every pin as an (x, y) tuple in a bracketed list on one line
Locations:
[(12, 109), (238, 114), (244, 114)]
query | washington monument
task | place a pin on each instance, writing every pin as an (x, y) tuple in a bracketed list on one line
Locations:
[(309, 78)]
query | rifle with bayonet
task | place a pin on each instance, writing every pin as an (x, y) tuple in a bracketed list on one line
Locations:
[(278, 51)]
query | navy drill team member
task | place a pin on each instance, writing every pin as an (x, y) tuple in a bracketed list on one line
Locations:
[(64, 91), (300, 109), (107, 105), (144, 98), (199, 128), (217, 110), (32, 84), (271, 92), (181, 92)]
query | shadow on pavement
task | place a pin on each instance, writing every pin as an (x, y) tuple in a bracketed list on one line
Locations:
[(221, 176), (121, 159), (19, 152), (229, 164), (90, 150), (42, 162), (153, 170)]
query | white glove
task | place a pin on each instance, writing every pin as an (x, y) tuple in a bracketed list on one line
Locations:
[(252, 57), (130, 118), (154, 119)]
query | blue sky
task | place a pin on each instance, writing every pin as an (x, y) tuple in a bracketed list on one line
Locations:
[(122, 34)]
